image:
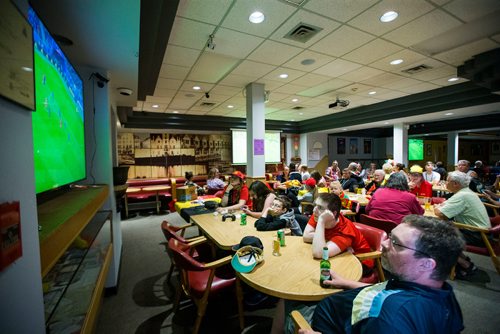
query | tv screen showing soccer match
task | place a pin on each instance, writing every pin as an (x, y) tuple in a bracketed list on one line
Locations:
[(415, 149), (58, 123)]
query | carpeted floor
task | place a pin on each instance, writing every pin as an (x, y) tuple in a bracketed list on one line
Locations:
[(143, 303)]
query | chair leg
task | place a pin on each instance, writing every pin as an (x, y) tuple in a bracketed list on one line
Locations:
[(202, 306), (171, 270), (491, 251)]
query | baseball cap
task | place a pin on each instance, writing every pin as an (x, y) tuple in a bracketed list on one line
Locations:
[(249, 240), (238, 174), (246, 258), (416, 169), (310, 182)]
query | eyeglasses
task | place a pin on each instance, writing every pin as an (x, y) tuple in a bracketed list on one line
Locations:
[(276, 205), (396, 243)]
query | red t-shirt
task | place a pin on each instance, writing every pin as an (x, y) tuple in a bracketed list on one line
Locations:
[(345, 235), (425, 190), (243, 194)]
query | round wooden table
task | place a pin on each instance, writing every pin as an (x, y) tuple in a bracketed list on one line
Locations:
[(156, 190)]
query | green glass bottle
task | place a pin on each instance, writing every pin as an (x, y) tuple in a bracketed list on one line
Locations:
[(324, 266)]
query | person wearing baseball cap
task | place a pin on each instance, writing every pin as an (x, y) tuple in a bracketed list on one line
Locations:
[(417, 184), (235, 193), (309, 190)]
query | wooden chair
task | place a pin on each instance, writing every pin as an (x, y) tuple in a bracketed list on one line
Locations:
[(385, 225), (374, 237), (491, 249), (177, 232), (306, 208), (199, 281), (299, 322)]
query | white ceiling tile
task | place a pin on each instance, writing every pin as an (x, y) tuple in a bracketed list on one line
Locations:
[(423, 28), (275, 53), (340, 10), (319, 60), (180, 56), (292, 74), (211, 67), (203, 10), (441, 2), (190, 34), (307, 18), (422, 87), (355, 88), (324, 88), (181, 102), (341, 41), (173, 71), (290, 89), (311, 79), (372, 51), (361, 73), (436, 73), (468, 10), (382, 79), (402, 83), (158, 99), (408, 57), (337, 67), (496, 38), (271, 84), (459, 55), (187, 86), (275, 13), (168, 83), (391, 95), (252, 68), (408, 10), (235, 44), (277, 96), (236, 80), (225, 90), (164, 92)]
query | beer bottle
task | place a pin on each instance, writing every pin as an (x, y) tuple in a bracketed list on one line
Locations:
[(324, 266)]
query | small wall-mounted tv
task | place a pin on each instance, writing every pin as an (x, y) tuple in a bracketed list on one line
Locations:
[(415, 149), (58, 123)]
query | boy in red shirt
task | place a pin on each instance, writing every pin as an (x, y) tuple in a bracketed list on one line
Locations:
[(418, 186), (327, 227)]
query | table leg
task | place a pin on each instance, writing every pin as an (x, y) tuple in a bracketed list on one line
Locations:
[(239, 298), (126, 206), (157, 203)]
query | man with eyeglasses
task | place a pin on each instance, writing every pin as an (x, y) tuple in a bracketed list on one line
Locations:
[(420, 254)]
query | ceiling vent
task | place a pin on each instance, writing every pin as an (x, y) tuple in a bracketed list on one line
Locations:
[(417, 69), (207, 104), (297, 108), (296, 3), (303, 32)]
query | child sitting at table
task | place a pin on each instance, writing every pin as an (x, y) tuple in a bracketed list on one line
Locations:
[(336, 188), (278, 216), (190, 183)]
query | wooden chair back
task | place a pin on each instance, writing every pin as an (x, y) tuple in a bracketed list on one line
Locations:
[(384, 225)]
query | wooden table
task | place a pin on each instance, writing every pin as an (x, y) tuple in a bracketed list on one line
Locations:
[(156, 190), (130, 190), (358, 198), (294, 275)]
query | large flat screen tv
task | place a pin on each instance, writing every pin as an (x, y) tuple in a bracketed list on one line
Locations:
[(415, 149), (58, 123)]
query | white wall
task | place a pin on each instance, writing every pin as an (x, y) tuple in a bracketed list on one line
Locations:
[(21, 299), (319, 140)]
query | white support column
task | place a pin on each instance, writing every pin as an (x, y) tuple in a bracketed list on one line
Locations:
[(452, 154), (256, 125), (400, 143)]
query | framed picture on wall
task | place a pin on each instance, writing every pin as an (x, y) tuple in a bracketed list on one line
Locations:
[(428, 149), (353, 146), (340, 145), (367, 146), (17, 81)]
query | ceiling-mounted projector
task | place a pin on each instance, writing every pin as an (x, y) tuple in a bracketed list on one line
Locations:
[(339, 103)]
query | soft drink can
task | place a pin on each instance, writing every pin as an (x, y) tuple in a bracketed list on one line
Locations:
[(243, 220), (281, 237)]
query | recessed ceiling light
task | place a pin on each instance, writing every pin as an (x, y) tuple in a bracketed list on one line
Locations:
[(295, 100), (175, 112), (230, 106), (386, 123), (308, 61), (155, 106), (256, 17), (344, 129), (453, 79), (372, 92), (301, 113), (389, 16), (396, 61), (426, 134), (283, 76), (448, 114), (292, 120), (27, 69), (196, 87)]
